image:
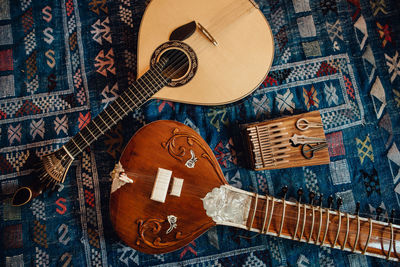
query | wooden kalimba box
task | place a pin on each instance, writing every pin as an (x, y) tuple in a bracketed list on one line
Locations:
[(270, 143)]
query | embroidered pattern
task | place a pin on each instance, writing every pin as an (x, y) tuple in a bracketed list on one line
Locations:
[(335, 144), (39, 234), (394, 65), (364, 149), (310, 97), (339, 172), (285, 102)]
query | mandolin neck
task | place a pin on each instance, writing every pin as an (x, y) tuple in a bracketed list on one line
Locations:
[(315, 225), (133, 97)]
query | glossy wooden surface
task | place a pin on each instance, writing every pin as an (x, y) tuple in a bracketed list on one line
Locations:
[(316, 224), (164, 144), (226, 72)]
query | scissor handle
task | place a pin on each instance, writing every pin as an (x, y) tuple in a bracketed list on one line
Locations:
[(307, 151)]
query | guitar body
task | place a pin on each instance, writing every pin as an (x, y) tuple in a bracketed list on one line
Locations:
[(142, 222), (227, 71)]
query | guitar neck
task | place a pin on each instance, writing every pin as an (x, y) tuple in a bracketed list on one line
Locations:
[(133, 97), (317, 225)]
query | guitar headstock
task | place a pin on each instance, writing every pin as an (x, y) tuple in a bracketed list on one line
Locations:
[(47, 172)]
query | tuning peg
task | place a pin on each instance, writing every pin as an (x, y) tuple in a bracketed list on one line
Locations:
[(379, 211), (339, 203), (284, 191), (299, 194), (320, 200), (391, 219), (357, 207), (311, 196), (330, 201)]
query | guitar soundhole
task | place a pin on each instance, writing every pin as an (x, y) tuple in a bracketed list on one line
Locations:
[(181, 65)]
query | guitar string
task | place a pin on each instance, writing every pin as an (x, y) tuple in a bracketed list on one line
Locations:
[(334, 222), (115, 120), (150, 181)]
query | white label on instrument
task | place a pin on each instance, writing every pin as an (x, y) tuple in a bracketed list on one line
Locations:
[(161, 185), (176, 187)]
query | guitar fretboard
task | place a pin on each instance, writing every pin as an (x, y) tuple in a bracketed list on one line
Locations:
[(320, 226), (133, 97)]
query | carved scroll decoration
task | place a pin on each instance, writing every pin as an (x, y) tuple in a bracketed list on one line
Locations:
[(150, 229), (179, 152)]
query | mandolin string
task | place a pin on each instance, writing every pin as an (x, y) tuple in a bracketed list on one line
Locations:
[(110, 119), (177, 58)]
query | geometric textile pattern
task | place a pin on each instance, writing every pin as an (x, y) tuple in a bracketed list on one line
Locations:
[(335, 144), (63, 62), (39, 234), (339, 172), (364, 149), (334, 100)]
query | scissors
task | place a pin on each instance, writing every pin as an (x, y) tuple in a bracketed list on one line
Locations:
[(308, 151)]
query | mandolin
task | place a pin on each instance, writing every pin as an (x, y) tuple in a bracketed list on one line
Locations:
[(168, 189), (201, 52)]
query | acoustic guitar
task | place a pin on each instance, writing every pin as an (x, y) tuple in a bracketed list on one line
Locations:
[(168, 189), (201, 52)]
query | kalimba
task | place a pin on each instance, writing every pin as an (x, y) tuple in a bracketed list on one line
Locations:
[(269, 144)]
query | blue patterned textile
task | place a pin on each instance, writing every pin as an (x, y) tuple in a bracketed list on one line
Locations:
[(62, 62)]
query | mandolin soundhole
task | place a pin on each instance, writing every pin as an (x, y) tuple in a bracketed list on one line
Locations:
[(181, 65)]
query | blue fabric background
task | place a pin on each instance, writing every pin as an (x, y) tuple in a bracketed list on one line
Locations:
[(62, 62)]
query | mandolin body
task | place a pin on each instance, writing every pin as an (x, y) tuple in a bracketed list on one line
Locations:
[(227, 71), (142, 222)]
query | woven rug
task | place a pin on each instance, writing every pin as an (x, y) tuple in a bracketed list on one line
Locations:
[(62, 62)]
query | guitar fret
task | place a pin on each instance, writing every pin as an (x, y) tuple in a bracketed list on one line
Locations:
[(105, 124), (111, 106), (73, 141), (139, 91), (272, 214), (358, 234), (127, 94), (327, 227), (68, 153), (80, 133), (266, 213), (319, 225), (90, 132), (151, 78), (254, 212), (160, 70), (391, 241), (158, 76), (304, 222), (347, 231), (283, 216), (95, 124), (369, 236), (312, 224), (105, 111), (126, 104), (144, 77), (338, 229), (136, 95), (116, 102), (298, 219)]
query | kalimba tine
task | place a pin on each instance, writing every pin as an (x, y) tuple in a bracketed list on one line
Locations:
[(269, 147)]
